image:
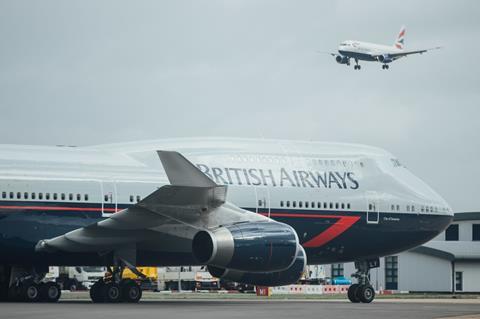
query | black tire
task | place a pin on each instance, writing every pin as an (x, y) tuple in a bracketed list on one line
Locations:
[(112, 293), (96, 291), (30, 291), (352, 293), (131, 291), (366, 294), (50, 292), (72, 285)]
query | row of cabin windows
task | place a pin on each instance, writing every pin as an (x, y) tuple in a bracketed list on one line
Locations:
[(318, 205), (61, 196), (46, 196)]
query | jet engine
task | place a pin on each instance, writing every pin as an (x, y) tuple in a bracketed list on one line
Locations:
[(248, 246), (278, 278), (385, 58), (341, 59)]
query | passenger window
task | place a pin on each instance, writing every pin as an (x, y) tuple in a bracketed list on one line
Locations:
[(319, 205), (306, 204), (313, 205), (138, 198), (19, 195), (408, 208), (86, 197), (288, 203), (294, 204), (336, 205), (11, 195), (70, 196), (55, 196), (413, 208), (40, 196), (343, 206), (105, 198), (398, 207), (25, 195), (33, 196), (393, 207), (79, 197), (62, 196), (4, 194), (348, 206), (331, 205), (370, 206), (131, 198), (47, 196), (324, 204)]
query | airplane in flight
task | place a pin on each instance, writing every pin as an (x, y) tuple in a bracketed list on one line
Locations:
[(365, 51), (252, 211)]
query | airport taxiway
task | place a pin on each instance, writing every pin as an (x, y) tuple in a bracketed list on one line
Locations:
[(251, 308)]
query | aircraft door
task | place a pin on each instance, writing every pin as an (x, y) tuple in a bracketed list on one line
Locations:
[(262, 196), (109, 198), (373, 207)]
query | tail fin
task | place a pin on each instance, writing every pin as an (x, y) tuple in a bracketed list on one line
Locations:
[(400, 43)]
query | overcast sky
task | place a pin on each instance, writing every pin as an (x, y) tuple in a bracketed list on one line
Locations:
[(91, 72)]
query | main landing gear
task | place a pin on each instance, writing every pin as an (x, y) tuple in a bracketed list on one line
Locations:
[(363, 291), (25, 284), (385, 66), (356, 66), (115, 289)]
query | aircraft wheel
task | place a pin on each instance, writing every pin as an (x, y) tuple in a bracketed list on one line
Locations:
[(352, 293), (30, 291), (387, 66), (112, 292), (359, 67), (96, 291), (131, 291), (50, 292), (366, 293)]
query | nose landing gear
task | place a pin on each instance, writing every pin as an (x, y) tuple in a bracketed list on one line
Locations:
[(363, 290), (385, 66)]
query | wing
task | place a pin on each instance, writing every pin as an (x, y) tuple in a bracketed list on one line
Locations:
[(192, 202), (329, 53), (399, 55)]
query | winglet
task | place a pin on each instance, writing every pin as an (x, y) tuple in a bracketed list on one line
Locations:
[(181, 172)]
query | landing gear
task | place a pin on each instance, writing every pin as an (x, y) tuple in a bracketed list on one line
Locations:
[(25, 284), (356, 66), (115, 289), (363, 291), (385, 66)]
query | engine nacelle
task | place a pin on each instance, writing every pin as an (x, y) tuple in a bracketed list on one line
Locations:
[(250, 247), (278, 278), (341, 59), (385, 58)]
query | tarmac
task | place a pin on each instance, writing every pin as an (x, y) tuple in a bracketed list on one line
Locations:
[(76, 307)]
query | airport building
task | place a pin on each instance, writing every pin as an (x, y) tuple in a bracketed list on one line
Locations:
[(448, 263)]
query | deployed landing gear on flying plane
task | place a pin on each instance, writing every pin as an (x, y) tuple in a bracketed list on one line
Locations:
[(23, 284), (385, 66), (363, 290), (356, 66), (115, 289)]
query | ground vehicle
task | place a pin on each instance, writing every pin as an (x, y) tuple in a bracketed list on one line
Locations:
[(149, 282), (73, 278)]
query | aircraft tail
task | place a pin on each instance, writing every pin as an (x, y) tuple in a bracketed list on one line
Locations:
[(400, 43)]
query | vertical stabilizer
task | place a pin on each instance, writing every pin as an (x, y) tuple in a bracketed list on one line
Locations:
[(400, 43)]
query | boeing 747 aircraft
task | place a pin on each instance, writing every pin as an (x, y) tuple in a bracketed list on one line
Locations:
[(365, 51), (252, 211)]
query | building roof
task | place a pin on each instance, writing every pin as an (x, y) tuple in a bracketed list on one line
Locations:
[(460, 250)]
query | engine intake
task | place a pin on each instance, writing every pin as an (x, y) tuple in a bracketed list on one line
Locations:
[(385, 58), (278, 278), (341, 59), (251, 247)]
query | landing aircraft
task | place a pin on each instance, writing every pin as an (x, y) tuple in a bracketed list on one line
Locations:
[(365, 51), (252, 211)]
